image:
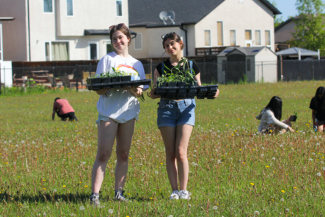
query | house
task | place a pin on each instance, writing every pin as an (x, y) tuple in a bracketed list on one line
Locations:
[(257, 64), (48, 30), (203, 24), (284, 33)]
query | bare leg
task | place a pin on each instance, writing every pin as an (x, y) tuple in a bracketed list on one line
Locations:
[(124, 140), (183, 134), (169, 135), (106, 135)]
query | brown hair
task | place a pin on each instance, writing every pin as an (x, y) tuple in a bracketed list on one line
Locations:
[(120, 27), (172, 36)]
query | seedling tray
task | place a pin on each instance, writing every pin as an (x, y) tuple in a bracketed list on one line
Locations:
[(119, 84), (186, 92)]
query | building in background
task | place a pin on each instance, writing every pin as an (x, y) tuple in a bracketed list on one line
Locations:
[(52, 30), (204, 25)]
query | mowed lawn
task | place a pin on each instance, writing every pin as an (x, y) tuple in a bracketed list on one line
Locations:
[(45, 165)]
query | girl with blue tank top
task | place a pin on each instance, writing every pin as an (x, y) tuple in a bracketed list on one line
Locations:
[(176, 118)]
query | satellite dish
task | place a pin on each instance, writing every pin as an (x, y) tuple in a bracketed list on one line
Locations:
[(163, 16), (171, 16)]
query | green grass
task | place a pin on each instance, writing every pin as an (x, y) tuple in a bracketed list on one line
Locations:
[(45, 166)]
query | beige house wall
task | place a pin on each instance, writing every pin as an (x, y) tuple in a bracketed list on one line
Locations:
[(94, 14), (140, 53), (249, 15), (152, 42), (15, 39)]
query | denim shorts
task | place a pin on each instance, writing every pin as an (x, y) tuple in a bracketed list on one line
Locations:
[(172, 113)]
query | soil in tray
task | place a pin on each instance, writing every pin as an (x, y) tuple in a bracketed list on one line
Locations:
[(106, 80), (94, 80), (126, 78)]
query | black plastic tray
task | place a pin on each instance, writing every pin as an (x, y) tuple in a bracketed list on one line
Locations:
[(120, 84), (187, 92)]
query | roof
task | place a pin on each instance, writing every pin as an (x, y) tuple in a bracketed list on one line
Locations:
[(284, 32), (295, 50), (145, 13), (248, 51), (6, 18), (103, 32)]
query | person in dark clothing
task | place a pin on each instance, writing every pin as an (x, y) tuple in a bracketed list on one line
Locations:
[(63, 109), (317, 105)]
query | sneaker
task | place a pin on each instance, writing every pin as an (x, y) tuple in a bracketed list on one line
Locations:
[(174, 195), (119, 196), (94, 200), (184, 195)]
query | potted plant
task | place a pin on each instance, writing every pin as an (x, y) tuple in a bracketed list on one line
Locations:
[(293, 117)]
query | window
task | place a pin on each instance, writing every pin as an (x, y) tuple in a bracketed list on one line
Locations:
[(109, 47), (267, 37), (69, 7), (48, 6), (207, 37), (248, 65), (248, 35), (59, 51), (232, 38), (47, 51), (220, 33), (93, 50), (257, 37), (138, 42), (118, 8)]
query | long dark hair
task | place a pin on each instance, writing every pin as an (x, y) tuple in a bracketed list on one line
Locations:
[(172, 36), (320, 101), (275, 105)]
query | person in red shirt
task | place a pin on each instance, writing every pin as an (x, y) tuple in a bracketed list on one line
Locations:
[(63, 109)]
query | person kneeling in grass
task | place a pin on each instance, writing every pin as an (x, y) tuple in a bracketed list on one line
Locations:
[(317, 105), (270, 118), (63, 109)]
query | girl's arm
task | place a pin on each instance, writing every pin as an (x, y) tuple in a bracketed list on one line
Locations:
[(198, 78), (102, 91), (313, 116)]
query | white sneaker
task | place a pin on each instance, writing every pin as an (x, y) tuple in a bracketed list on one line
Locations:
[(184, 195), (174, 195)]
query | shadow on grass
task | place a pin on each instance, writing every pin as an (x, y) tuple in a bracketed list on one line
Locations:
[(69, 198)]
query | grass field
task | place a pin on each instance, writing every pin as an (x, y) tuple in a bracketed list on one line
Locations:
[(45, 166)]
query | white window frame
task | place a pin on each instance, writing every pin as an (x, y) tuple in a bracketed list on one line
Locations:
[(269, 46), (107, 41), (223, 35), (235, 36), (51, 49), (141, 42), (250, 42), (116, 8), (50, 53), (93, 42), (52, 8), (210, 38), (72, 8), (260, 38), (1, 43)]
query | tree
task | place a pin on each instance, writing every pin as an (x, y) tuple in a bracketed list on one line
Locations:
[(277, 20), (310, 26)]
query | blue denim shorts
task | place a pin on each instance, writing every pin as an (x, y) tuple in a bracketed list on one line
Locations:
[(172, 113)]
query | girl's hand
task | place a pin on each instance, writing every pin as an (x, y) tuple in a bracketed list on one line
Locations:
[(153, 95), (102, 91), (291, 130), (217, 93), (135, 91)]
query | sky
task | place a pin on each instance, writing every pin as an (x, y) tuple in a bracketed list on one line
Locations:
[(287, 8)]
